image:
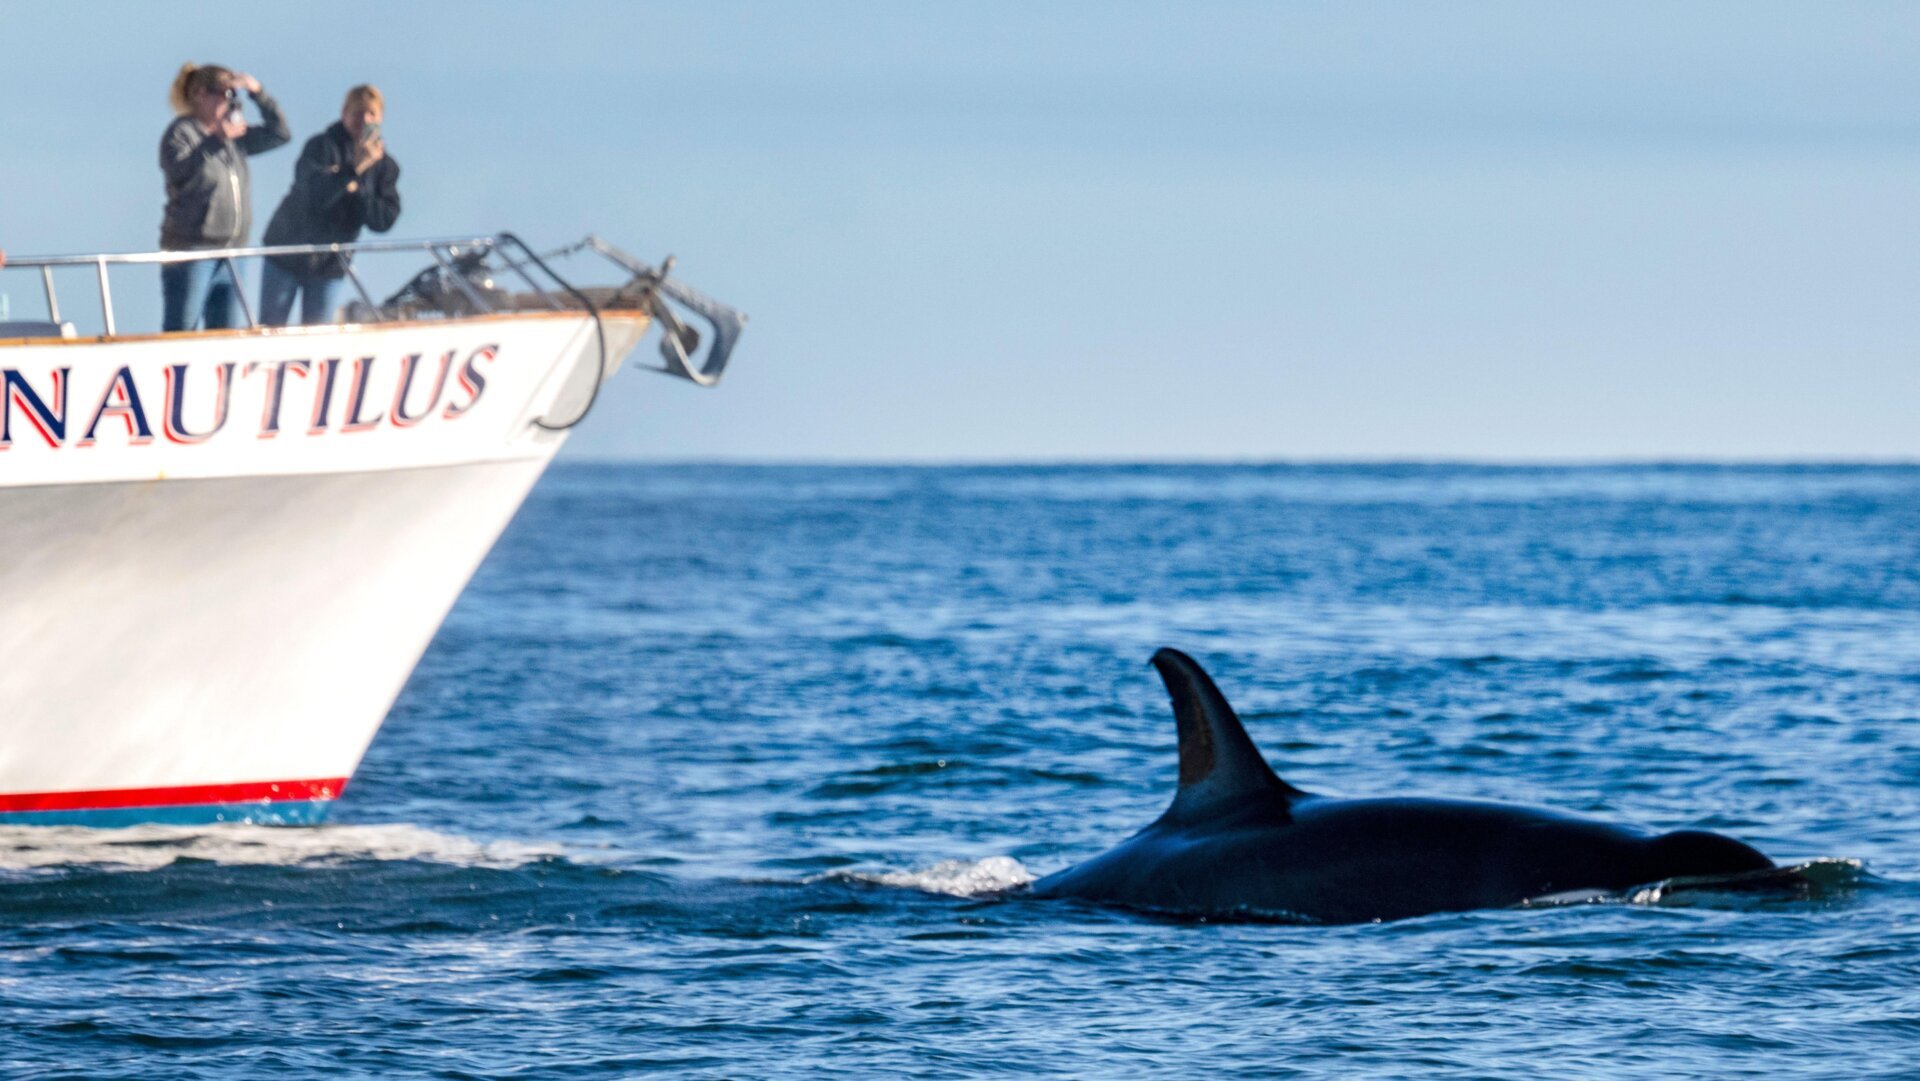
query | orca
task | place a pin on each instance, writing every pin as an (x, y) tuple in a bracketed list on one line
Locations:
[(1239, 841)]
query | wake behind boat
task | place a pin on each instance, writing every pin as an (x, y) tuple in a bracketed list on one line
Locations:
[(225, 551)]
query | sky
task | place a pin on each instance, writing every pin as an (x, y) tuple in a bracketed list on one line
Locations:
[(1113, 231)]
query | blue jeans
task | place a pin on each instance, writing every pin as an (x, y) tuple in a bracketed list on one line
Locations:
[(196, 295), (278, 287)]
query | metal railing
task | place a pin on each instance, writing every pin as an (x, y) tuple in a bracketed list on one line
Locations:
[(463, 268)]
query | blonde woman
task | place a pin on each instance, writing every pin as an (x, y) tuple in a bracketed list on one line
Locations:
[(345, 181), (204, 158)]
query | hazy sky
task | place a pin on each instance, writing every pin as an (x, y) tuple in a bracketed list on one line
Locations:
[(1067, 231)]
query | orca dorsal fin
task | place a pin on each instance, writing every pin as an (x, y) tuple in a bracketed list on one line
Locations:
[(1220, 768)]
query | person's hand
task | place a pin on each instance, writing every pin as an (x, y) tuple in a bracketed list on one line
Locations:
[(233, 125), (366, 153), (246, 82)]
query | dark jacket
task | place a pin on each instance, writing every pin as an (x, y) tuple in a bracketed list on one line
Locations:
[(319, 209), (208, 201)]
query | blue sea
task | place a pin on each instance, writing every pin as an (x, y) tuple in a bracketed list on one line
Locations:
[(734, 772)]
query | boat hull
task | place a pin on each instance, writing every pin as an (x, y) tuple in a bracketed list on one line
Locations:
[(209, 623)]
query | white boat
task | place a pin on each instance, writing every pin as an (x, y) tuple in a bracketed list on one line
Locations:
[(222, 553)]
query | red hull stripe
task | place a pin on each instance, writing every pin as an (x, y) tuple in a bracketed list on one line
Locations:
[(251, 792)]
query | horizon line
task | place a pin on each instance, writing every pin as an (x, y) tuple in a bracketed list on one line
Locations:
[(930, 462)]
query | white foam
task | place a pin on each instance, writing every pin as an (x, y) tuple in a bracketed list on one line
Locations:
[(954, 878), (1569, 897), (25, 848)]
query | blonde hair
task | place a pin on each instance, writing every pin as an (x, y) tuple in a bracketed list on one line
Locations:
[(192, 79), (362, 96)]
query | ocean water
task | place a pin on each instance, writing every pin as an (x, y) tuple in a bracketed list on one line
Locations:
[(729, 771)]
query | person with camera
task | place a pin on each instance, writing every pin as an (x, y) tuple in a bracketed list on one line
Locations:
[(345, 180), (203, 156)]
